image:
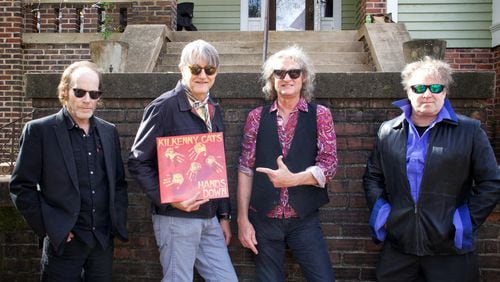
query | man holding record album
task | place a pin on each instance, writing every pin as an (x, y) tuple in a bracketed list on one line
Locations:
[(194, 232)]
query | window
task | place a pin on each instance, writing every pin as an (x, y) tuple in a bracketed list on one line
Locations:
[(254, 8)]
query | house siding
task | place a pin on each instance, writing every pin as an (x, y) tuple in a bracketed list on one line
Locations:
[(216, 15), (462, 23), (224, 15), (349, 16)]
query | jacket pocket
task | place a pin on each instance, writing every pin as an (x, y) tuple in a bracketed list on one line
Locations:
[(378, 220), (463, 228)]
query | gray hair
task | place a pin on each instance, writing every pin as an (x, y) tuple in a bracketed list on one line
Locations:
[(297, 55), (199, 50), (430, 66)]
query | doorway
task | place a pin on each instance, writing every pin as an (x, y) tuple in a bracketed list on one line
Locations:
[(291, 15)]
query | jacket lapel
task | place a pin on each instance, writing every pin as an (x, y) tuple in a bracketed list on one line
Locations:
[(400, 145), (61, 133), (108, 151)]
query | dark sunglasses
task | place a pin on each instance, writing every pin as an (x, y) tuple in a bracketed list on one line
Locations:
[(421, 88), (196, 69), (80, 93), (293, 73)]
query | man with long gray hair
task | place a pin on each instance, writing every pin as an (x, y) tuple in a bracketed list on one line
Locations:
[(289, 154)]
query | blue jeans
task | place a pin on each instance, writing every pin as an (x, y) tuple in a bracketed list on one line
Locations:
[(303, 236), (188, 242)]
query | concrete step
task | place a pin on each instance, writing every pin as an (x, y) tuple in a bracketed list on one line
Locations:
[(287, 36), (256, 68), (333, 58), (255, 47), (329, 51)]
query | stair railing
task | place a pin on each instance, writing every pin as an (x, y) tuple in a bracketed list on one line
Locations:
[(9, 148), (266, 32)]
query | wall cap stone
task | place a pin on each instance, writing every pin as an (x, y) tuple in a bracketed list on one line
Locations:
[(64, 38), (373, 85)]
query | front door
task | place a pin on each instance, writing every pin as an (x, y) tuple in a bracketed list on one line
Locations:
[(291, 15)]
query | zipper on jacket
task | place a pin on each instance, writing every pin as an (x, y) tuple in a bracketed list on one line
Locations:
[(418, 243)]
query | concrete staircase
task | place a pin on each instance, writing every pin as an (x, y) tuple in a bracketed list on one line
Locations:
[(330, 51)]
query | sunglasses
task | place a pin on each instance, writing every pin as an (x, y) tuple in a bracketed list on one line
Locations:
[(293, 73), (421, 88), (196, 69), (80, 93)]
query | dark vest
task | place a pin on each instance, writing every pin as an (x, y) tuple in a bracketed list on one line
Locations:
[(304, 199)]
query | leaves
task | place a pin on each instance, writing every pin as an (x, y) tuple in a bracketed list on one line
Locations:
[(106, 27)]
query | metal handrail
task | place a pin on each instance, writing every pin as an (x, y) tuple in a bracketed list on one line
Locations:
[(9, 149)]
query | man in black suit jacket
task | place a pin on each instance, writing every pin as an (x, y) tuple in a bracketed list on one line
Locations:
[(69, 182)]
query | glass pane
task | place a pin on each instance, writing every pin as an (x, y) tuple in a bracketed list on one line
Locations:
[(327, 8), (290, 15), (254, 8)]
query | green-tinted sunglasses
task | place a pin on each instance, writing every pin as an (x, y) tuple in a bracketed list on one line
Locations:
[(421, 88)]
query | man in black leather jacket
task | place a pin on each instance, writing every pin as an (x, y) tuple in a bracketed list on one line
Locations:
[(430, 182)]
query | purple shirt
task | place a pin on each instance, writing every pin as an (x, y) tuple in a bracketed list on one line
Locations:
[(416, 145)]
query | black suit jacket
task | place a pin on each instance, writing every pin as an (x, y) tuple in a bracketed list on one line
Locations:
[(44, 184)]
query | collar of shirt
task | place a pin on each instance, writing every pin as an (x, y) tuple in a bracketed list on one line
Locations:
[(445, 114), (301, 105), (70, 123)]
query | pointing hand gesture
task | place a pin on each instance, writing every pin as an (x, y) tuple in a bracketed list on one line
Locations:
[(281, 177)]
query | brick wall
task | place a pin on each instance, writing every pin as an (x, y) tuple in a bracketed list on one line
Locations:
[(496, 102), (155, 12), (10, 59), (71, 17), (369, 7), (344, 220), (470, 59), (375, 6), (30, 17), (480, 59), (12, 102), (52, 57)]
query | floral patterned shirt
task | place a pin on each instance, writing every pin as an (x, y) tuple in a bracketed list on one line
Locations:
[(326, 160)]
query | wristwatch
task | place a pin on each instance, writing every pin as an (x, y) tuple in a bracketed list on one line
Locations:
[(226, 216)]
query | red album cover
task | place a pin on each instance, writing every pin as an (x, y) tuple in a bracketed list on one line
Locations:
[(191, 163)]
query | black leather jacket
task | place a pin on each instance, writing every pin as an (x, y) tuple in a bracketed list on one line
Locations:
[(460, 168)]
